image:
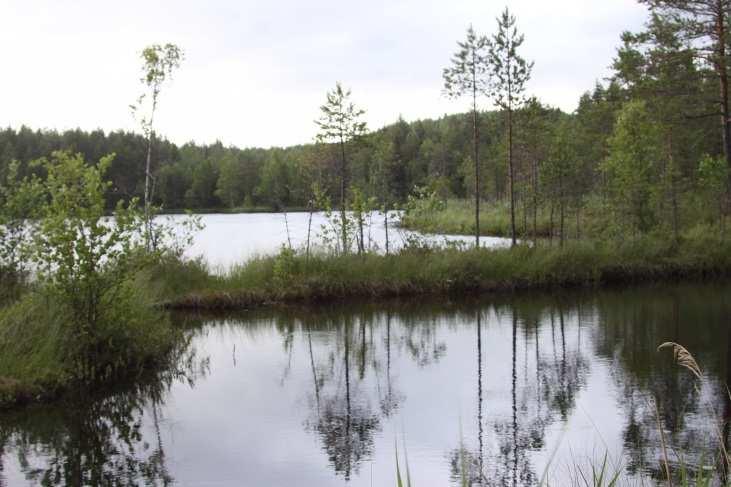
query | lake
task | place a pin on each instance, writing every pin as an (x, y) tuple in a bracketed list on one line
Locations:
[(507, 390), (228, 239)]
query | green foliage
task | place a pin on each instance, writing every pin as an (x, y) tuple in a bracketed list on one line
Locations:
[(158, 64), (460, 155), (275, 186), (291, 276), (713, 176), (631, 167), (422, 203), (340, 120), (285, 266), (340, 123), (75, 244), (86, 273), (510, 71), (468, 71), (469, 74), (43, 352), (361, 208), (18, 206)]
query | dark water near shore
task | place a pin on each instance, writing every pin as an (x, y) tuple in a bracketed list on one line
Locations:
[(518, 388)]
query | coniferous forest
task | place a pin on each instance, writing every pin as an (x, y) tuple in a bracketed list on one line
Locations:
[(646, 146)]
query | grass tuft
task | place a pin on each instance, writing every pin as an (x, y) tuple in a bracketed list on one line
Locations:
[(291, 277)]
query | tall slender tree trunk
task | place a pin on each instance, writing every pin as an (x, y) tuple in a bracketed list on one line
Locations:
[(309, 231), (515, 399), (578, 221), (723, 79), (673, 188), (479, 394), (286, 226), (347, 398), (562, 206), (534, 178), (343, 222), (511, 176), (385, 223), (561, 216), (726, 429), (148, 173), (498, 193), (550, 225), (476, 145), (524, 200), (361, 243), (148, 164)]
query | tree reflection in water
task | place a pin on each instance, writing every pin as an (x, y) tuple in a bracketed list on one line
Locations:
[(353, 386), (519, 366), (537, 398), (98, 439), (693, 415)]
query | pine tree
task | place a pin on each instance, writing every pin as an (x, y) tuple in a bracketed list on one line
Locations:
[(704, 25), (340, 123), (511, 73), (469, 75)]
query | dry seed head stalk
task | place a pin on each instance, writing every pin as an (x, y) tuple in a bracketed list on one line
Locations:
[(683, 358)]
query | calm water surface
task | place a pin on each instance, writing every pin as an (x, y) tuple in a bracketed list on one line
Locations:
[(232, 239), (319, 397)]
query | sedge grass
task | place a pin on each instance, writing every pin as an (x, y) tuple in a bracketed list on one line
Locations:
[(290, 276)]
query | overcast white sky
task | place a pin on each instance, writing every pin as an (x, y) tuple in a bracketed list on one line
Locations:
[(256, 71)]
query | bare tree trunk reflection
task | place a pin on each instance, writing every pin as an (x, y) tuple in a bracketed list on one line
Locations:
[(314, 372), (347, 403), (514, 399), (2, 458), (479, 397), (726, 410), (362, 363)]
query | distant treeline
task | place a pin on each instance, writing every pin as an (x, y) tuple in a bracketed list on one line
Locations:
[(387, 164), (643, 140)]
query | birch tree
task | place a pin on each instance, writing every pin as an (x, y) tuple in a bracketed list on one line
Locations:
[(158, 64)]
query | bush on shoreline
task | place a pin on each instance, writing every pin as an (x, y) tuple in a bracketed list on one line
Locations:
[(87, 318)]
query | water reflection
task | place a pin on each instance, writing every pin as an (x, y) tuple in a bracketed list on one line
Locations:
[(660, 399), (501, 392), (542, 390), (98, 440), (248, 235)]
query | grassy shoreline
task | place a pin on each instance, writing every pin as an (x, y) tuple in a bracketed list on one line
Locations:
[(457, 217), (34, 367), (233, 211), (291, 278)]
